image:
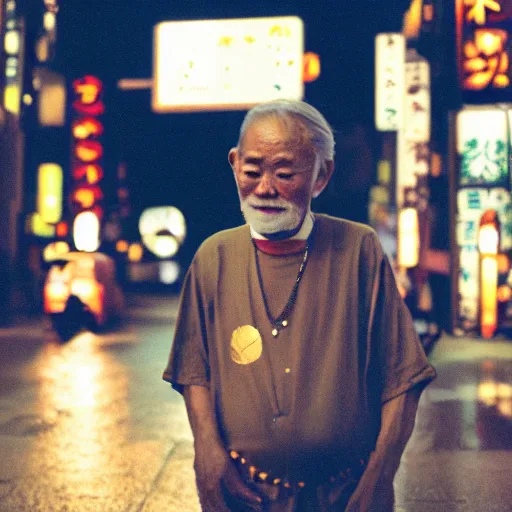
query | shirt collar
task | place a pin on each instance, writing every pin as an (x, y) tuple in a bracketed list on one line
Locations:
[(302, 234)]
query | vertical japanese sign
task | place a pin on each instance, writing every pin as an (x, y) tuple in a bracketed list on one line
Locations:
[(389, 81), (13, 46), (483, 44), (413, 153), (86, 194), (483, 146), (226, 64)]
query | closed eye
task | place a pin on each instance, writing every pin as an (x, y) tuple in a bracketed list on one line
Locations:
[(252, 174), (285, 176)]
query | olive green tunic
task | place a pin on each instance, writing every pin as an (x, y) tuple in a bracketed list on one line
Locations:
[(306, 403)]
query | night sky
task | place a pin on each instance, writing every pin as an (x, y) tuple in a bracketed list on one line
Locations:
[(181, 159)]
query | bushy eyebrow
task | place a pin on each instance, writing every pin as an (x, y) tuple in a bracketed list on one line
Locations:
[(280, 159)]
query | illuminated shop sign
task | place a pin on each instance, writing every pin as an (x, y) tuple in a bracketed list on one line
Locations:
[(49, 192), (86, 194), (483, 44), (413, 153), (389, 81), (484, 218), (226, 64), (13, 31), (163, 230)]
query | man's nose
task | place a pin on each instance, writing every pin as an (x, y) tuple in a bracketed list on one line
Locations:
[(266, 186)]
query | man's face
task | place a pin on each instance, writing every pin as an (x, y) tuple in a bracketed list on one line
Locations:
[(277, 173)]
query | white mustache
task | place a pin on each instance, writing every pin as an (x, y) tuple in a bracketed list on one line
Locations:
[(271, 204)]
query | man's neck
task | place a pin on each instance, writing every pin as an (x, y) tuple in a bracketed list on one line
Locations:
[(300, 233)]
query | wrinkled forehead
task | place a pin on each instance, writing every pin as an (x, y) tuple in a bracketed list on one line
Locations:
[(277, 131)]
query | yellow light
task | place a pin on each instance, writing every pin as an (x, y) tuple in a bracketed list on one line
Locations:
[(488, 242), (49, 192), (412, 20), (88, 92), (135, 252), (168, 272), (408, 238), (54, 250), (28, 100), (475, 64), (85, 197), (488, 238), (470, 50), (12, 97), (49, 21), (489, 296), (478, 10), (12, 42), (86, 232), (501, 81), (122, 246), (88, 150), (490, 41), (165, 246), (504, 293), (39, 227)]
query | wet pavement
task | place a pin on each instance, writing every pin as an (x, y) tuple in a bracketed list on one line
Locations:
[(90, 426)]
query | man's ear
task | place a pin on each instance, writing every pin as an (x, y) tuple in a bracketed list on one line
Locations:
[(233, 157), (323, 178)]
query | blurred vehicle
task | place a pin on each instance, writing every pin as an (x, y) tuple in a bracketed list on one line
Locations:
[(81, 291)]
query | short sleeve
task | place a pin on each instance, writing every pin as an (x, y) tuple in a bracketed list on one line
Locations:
[(401, 359), (188, 360)]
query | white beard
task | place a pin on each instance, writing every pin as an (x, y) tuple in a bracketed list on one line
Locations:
[(263, 223)]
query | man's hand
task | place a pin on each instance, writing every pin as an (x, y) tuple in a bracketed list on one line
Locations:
[(215, 473), (372, 494)]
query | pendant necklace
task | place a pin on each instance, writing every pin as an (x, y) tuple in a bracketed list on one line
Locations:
[(281, 321)]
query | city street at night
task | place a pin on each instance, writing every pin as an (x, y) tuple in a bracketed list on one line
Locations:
[(325, 188), (89, 425)]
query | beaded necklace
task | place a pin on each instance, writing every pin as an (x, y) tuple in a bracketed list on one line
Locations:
[(281, 321)]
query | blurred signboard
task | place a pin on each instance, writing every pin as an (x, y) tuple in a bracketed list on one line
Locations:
[(86, 194), (230, 64), (484, 46), (413, 153), (389, 81), (483, 283)]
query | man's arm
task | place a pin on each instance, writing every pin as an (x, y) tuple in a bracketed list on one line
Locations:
[(375, 489), (212, 465)]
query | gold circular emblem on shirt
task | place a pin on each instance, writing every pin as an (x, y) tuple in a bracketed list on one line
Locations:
[(246, 345)]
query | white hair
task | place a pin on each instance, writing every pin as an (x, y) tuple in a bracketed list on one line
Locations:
[(320, 133)]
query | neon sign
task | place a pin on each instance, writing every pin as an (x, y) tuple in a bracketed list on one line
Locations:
[(86, 194), (478, 12), (483, 45)]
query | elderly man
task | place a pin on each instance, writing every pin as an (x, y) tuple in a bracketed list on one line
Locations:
[(298, 360)]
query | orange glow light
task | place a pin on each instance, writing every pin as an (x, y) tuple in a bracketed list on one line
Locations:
[(490, 41), (87, 127), (122, 246), (88, 150), (311, 67), (88, 89), (478, 10), (92, 173), (504, 293), (86, 197), (61, 229), (488, 243)]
